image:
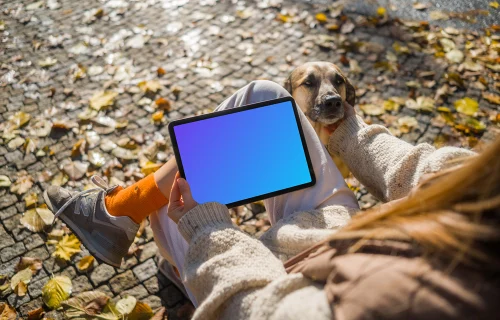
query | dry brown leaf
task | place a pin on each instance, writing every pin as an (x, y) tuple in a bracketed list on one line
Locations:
[(86, 263), (36, 314), (157, 116), (34, 264), (163, 104), (19, 281), (491, 97), (23, 183), (7, 312), (150, 86)]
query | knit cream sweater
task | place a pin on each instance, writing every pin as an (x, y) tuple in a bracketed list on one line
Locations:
[(234, 276)]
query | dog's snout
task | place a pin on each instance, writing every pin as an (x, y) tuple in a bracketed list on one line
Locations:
[(334, 101)]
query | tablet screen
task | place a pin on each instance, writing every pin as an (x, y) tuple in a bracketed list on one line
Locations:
[(242, 156)]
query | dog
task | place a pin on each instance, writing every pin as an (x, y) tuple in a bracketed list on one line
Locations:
[(320, 90)]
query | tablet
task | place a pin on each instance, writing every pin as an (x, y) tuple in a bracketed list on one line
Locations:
[(244, 154)]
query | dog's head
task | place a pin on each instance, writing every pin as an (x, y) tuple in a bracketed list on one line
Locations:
[(320, 89)]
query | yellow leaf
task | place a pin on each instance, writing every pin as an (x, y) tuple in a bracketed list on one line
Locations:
[(494, 4), (149, 86), (16, 121), (422, 104), (283, 18), (466, 106), (142, 311), (37, 219), (407, 123), (381, 11), (102, 99), (372, 109), (67, 247), (55, 291), (21, 289), (150, 167), (31, 200), (85, 263), (126, 305), (321, 17), (157, 116)]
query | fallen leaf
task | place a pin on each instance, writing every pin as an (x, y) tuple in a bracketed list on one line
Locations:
[(76, 169), (163, 104), (102, 99), (37, 219), (67, 247), (160, 314), (7, 312), (422, 103), (150, 167), (438, 15), (321, 17), (157, 116), (56, 290), (5, 181), (36, 314), (48, 62), (88, 305), (31, 200), (455, 56), (381, 11), (23, 183), (17, 120), (20, 280), (96, 158), (421, 6), (141, 311), (406, 123), (34, 264), (466, 106), (124, 154), (372, 109), (150, 86), (86, 263), (161, 72), (494, 4), (471, 125), (126, 305), (491, 97), (60, 179), (40, 128)]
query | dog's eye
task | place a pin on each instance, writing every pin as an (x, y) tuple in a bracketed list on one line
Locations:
[(308, 83), (339, 81)]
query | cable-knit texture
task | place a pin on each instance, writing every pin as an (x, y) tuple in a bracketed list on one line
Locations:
[(234, 276)]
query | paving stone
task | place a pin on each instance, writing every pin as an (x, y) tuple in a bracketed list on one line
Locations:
[(81, 284), (153, 301), (101, 273), (123, 281), (16, 301), (138, 292), (7, 240), (153, 285), (8, 268), (33, 241), (171, 295), (149, 250), (13, 251), (106, 290), (7, 200), (35, 287), (7, 212), (145, 270), (30, 306)]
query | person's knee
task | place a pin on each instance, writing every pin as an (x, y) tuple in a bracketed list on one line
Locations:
[(267, 90)]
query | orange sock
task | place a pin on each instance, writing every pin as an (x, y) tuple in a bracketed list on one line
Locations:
[(136, 201)]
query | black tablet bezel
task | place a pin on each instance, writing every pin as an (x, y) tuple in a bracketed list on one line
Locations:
[(175, 147)]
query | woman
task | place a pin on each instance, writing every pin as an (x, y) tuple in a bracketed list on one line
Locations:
[(431, 254)]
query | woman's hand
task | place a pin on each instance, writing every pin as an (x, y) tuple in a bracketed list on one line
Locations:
[(348, 111), (181, 200)]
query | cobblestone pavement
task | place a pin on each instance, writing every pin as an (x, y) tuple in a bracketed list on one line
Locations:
[(57, 54)]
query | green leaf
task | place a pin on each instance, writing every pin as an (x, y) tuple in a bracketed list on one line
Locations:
[(55, 291), (467, 106)]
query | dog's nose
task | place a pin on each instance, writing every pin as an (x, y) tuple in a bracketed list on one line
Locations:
[(333, 101)]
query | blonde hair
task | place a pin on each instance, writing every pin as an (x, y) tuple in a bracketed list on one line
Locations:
[(454, 214)]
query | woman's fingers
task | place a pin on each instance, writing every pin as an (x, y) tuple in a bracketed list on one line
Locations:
[(175, 193), (185, 191)]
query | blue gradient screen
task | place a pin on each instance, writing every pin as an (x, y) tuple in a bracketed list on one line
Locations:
[(242, 155)]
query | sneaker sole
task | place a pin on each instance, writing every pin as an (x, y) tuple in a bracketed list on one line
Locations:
[(80, 235)]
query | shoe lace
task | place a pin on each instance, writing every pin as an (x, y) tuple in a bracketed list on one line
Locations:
[(98, 182)]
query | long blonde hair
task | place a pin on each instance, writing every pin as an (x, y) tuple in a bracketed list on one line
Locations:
[(454, 214)]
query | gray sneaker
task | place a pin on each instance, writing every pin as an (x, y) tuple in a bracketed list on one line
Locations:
[(108, 238)]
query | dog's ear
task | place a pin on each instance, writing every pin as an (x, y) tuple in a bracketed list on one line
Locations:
[(350, 92), (288, 84)]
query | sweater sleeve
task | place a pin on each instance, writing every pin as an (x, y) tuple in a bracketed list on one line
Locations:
[(386, 165), (234, 276)]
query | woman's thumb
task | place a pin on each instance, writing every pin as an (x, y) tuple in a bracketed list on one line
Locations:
[(185, 190)]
